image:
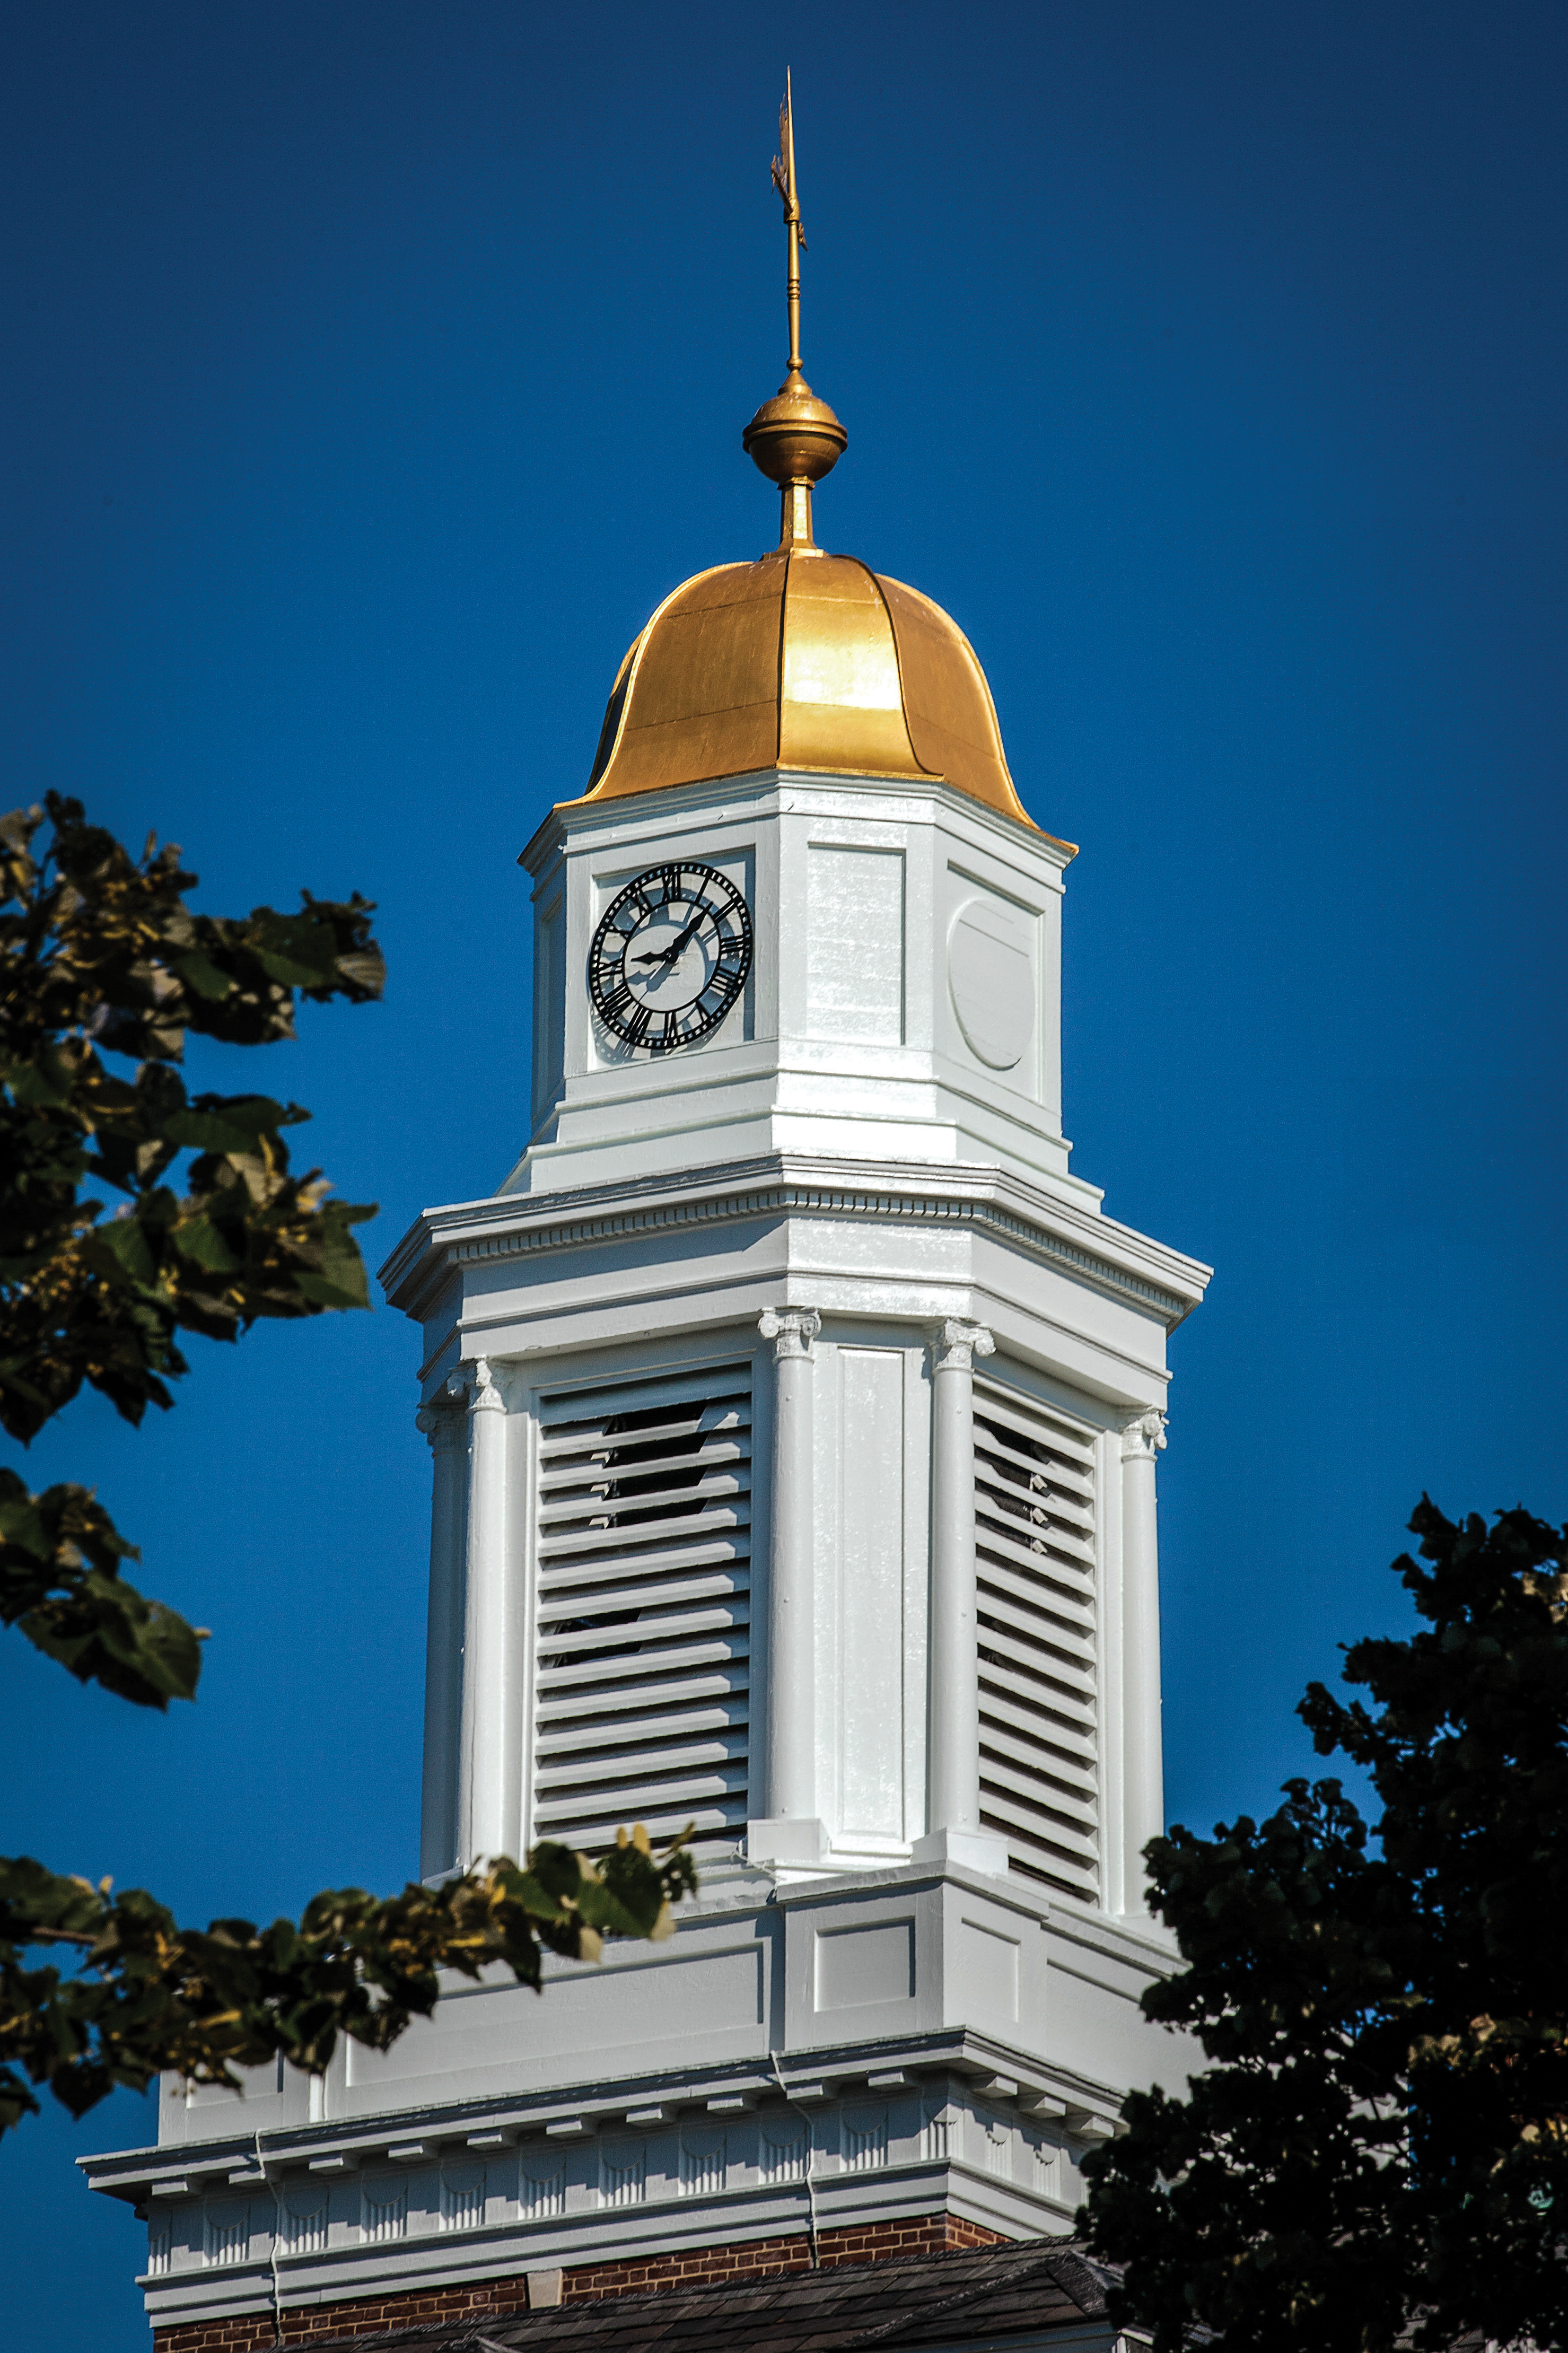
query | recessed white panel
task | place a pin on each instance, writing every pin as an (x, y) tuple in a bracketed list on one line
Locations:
[(988, 1969), (855, 944), (991, 974), (870, 1592), (601, 2009), (859, 1967)]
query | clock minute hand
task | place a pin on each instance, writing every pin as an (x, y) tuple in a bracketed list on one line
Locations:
[(669, 955), (663, 955)]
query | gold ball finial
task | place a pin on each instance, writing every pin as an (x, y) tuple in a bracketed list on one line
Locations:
[(794, 437)]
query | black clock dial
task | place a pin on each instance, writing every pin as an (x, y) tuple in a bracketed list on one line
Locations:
[(670, 957)]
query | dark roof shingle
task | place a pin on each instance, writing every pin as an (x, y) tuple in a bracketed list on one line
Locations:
[(986, 2292)]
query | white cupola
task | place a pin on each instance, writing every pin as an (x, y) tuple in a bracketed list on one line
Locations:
[(794, 1411)]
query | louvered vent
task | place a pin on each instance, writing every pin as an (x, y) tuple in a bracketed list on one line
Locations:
[(644, 1609), (1034, 1503)]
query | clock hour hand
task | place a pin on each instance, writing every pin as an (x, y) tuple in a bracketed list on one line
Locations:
[(669, 955)]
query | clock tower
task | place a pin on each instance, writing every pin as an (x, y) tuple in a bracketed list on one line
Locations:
[(793, 1410)]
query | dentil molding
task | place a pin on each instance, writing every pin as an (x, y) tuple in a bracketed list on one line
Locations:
[(521, 1225)]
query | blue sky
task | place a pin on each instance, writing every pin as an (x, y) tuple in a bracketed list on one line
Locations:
[(372, 370)]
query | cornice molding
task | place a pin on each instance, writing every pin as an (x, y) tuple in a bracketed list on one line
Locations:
[(785, 789), (1116, 1259), (206, 2167)]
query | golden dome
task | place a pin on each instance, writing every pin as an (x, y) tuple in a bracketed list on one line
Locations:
[(802, 660)]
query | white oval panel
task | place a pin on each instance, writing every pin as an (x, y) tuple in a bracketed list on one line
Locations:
[(991, 973)]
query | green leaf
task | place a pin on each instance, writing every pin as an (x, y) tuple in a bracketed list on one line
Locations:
[(139, 1649), (198, 1240), (20, 1523), (60, 1584), (234, 1128), (200, 973), (288, 970), (322, 1292), (46, 1080), (123, 1242)]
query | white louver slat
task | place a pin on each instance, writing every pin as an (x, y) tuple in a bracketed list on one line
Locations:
[(644, 1626), (1033, 1509)]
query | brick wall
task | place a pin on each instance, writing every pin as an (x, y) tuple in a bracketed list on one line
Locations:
[(927, 2235), (421, 2308)]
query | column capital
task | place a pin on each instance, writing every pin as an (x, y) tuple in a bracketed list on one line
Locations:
[(1143, 1437), (955, 1344), (484, 1395), (792, 1330), (444, 1425), (441, 1419)]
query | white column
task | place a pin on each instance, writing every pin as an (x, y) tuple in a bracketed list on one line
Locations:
[(445, 1424), (790, 1831), (953, 1832), (1143, 1780), (489, 1803)]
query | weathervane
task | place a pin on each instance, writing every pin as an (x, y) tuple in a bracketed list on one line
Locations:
[(783, 181), (794, 438)]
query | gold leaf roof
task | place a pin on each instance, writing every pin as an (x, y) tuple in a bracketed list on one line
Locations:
[(802, 660)]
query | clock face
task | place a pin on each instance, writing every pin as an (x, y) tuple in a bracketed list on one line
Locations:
[(670, 957)]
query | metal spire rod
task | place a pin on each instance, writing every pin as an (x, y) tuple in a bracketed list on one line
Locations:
[(783, 181), (794, 438)]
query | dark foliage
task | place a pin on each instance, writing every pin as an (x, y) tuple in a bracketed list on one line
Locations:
[(1378, 2150), (201, 2002), (100, 956)]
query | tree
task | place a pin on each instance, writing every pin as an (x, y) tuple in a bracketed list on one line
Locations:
[(100, 956), (1378, 2150)]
